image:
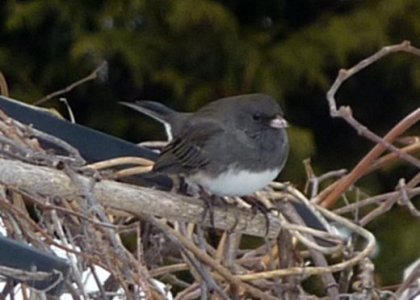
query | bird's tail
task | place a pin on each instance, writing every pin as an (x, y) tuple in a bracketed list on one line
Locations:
[(155, 110), (171, 119)]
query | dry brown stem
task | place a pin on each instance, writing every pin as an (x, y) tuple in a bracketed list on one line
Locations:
[(382, 144)]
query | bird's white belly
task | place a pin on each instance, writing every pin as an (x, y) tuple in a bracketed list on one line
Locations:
[(235, 183)]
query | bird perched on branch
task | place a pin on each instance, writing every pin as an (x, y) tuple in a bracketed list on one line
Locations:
[(233, 146)]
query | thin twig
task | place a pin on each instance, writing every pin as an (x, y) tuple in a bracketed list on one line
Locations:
[(171, 233), (382, 143), (363, 166), (102, 68)]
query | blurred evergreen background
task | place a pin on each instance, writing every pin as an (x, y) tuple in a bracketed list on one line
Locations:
[(186, 53)]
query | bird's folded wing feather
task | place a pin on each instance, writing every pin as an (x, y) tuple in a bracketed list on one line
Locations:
[(186, 152)]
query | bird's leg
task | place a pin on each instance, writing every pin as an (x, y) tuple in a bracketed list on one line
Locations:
[(180, 185), (196, 191), (208, 207), (209, 200), (220, 202), (258, 206)]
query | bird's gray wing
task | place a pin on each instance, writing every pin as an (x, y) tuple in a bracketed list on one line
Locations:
[(187, 152)]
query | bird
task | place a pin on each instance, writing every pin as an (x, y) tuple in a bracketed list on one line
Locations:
[(232, 146)]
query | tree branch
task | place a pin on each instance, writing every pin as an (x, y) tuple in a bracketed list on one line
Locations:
[(134, 199)]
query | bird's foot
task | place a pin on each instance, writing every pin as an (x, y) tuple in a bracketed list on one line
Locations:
[(257, 206)]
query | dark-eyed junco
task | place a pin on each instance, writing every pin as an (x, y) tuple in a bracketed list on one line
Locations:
[(233, 146)]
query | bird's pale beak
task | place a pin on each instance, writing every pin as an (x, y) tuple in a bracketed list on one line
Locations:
[(279, 122)]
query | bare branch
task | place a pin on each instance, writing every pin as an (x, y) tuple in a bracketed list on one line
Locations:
[(382, 143), (92, 76), (134, 199)]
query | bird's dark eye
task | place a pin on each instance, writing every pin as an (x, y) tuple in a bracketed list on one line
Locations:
[(257, 116)]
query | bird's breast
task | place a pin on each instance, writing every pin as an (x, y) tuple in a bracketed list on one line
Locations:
[(234, 182)]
